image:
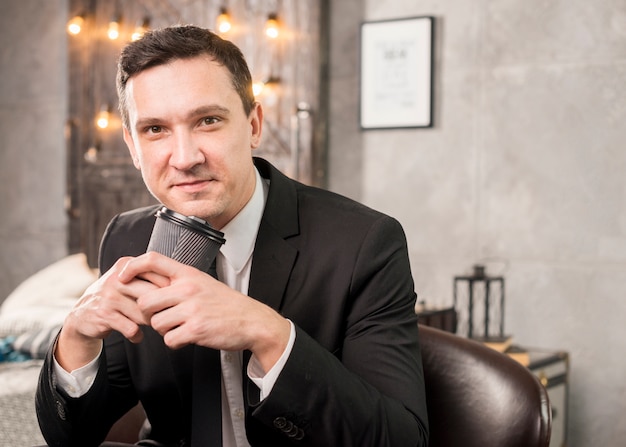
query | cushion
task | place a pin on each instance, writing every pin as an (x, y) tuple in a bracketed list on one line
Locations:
[(44, 299), (35, 343)]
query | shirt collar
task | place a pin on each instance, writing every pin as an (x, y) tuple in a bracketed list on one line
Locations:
[(241, 231)]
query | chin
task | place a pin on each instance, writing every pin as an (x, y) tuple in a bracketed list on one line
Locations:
[(203, 209)]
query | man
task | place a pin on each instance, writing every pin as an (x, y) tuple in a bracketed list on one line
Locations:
[(313, 316)]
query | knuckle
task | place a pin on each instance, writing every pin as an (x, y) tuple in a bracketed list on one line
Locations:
[(189, 288), (155, 322), (151, 256), (196, 328), (132, 330)]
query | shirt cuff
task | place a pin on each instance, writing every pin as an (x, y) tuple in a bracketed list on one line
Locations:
[(266, 382), (77, 382)]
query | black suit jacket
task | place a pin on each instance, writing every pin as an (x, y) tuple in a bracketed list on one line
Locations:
[(340, 272)]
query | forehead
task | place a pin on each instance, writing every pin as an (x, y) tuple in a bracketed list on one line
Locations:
[(199, 70), (180, 84)]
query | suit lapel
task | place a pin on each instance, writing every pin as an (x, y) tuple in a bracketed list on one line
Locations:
[(274, 257), (271, 266)]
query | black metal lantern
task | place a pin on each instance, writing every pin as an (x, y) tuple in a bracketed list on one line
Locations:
[(479, 301)]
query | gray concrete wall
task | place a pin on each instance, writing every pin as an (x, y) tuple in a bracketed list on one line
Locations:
[(523, 171), (33, 98)]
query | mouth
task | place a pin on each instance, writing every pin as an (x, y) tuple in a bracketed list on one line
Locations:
[(192, 186)]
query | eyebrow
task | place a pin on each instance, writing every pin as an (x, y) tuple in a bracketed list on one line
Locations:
[(211, 109), (208, 110)]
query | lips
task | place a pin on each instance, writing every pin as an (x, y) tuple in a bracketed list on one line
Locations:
[(192, 186)]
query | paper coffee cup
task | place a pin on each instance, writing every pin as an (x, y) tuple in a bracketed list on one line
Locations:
[(187, 239)]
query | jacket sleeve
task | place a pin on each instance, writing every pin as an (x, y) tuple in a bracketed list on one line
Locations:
[(369, 391), (85, 421)]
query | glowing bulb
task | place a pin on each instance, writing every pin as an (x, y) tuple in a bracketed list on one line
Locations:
[(91, 156), (102, 120), (223, 23), (257, 88), (272, 28), (137, 34), (75, 25), (114, 30), (140, 30)]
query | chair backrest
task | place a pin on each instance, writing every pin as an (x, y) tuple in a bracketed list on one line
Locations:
[(478, 397)]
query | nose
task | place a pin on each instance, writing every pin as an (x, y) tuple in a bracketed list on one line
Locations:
[(186, 152)]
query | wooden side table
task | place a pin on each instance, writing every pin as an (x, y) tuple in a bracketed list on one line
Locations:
[(439, 318), (552, 370)]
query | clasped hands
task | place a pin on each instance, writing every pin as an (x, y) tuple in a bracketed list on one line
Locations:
[(183, 304)]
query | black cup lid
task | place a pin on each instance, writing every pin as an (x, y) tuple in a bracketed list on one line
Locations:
[(191, 222)]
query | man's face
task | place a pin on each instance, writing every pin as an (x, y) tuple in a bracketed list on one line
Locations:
[(191, 139)]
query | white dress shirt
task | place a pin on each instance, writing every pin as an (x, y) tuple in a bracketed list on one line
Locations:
[(234, 262)]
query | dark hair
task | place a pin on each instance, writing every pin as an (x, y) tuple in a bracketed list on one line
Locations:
[(161, 46)]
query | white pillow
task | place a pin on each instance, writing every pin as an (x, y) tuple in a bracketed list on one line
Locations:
[(45, 298)]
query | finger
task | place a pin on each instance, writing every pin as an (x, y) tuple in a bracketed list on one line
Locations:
[(176, 338), (154, 278), (127, 319), (138, 287), (104, 313), (129, 329), (149, 264), (161, 299), (174, 311)]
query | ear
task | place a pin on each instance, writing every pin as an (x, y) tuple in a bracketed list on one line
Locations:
[(128, 139), (256, 123)]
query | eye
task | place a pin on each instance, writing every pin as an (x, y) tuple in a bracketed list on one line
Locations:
[(209, 120), (154, 129)]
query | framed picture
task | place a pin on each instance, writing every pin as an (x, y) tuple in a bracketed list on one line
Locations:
[(396, 73)]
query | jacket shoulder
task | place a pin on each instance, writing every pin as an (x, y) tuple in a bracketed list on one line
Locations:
[(127, 234)]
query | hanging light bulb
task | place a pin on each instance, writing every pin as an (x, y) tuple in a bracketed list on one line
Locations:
[(272, 27), (140, 29), (91, 154), (257, 87), (75, 25), (114, 28), (102, 119), (223, 23)]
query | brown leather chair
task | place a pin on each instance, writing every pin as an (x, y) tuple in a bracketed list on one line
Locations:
[(128, 428), (478, 397)]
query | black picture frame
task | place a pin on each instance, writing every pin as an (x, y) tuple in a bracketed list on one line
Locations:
[(397, 73)]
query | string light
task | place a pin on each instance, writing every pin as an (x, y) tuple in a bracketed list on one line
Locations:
[(91, 155), (257, 87), (272, 27), (223, 23), (75, 25), (140, 29), (102, 119), (114, 28)]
